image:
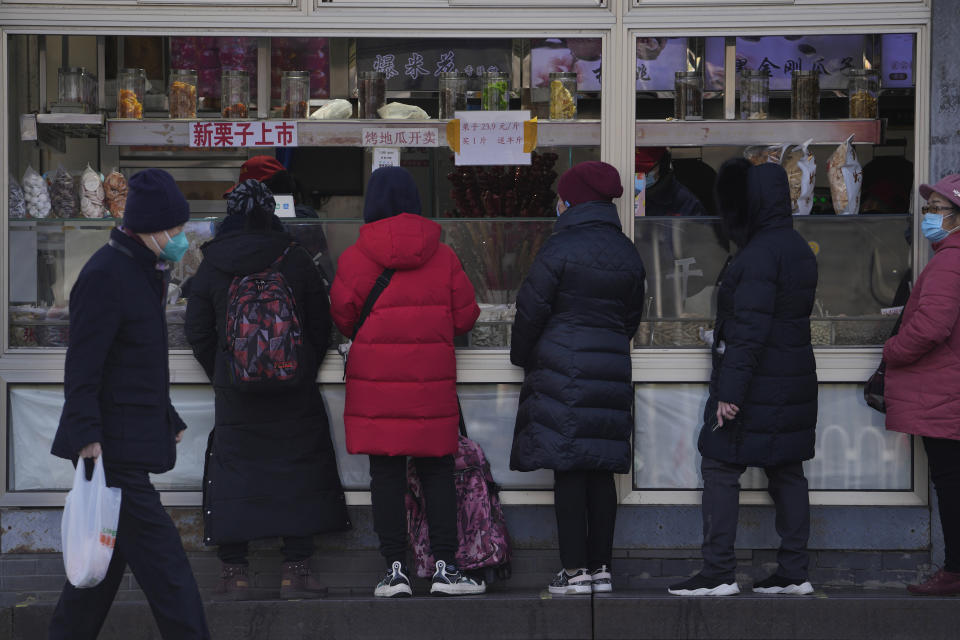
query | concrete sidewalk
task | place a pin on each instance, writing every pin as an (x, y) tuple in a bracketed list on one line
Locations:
[(853, 615)]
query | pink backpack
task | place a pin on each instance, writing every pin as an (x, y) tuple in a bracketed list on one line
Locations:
[(481, 527)]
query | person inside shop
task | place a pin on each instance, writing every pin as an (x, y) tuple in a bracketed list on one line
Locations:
[(278, 180), (664, 195), (921, 366), (762, 406), (117, 405), (271, 468), (401, 372), (577, 310)]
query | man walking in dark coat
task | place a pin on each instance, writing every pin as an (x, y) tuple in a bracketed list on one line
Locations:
[(117, 403), (577, 311), (762, 409), (271, 469)]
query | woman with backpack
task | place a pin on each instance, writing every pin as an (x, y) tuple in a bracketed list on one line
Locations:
[(271, 468), (401, 371), (577, 311)]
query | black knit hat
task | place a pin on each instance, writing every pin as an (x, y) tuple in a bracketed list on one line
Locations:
[(154, 203)]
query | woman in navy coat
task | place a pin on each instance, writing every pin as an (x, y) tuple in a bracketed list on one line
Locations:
[(576, 314), (762, 409)]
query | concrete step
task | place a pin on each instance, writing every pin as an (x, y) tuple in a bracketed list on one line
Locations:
[(852, 615)]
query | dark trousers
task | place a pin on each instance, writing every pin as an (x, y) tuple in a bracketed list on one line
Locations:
[(149, 543), (388, 487), (787, 485), (586, 506), (294, 549), (944, 458)]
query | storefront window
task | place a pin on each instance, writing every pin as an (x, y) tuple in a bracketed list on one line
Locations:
[(853, 453)]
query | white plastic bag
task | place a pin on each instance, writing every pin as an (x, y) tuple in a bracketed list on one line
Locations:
[(89, 528), (334, 110), (801, 170), (846, 178), (400, 111)]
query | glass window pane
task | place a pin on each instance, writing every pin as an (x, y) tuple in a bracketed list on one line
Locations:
[(853, 453)]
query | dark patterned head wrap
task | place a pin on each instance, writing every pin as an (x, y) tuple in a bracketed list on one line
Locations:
[(250, 196)]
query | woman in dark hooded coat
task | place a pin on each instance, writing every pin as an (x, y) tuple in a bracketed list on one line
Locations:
[(271, 468), (762, 408)]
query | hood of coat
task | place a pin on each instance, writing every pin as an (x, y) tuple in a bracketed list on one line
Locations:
[(402, 242), (587, 213), (245, 252), (753, 198)]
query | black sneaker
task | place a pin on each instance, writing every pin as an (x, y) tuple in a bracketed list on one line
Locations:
[(701, 585), (601, 580), (778, 584), (395, 583), (448, 581), (565, 583)]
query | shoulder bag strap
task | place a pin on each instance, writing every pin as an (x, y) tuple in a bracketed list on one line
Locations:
[(382, 281), (463, 425)]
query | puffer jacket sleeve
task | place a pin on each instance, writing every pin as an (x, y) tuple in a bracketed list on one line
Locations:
[(934, 317), (534, 306), (95, 316), (635, 304), (200, 323), (345, 301), (464, 298), (754, 301)]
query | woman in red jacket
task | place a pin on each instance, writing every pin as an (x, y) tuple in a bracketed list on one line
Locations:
[(923, 363), (402, 372)]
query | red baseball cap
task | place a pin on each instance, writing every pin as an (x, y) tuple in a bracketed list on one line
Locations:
[(646, 158), (257, 168), (949, 188)]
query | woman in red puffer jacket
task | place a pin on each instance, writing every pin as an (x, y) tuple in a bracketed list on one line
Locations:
[(923, 365), (402, 371)]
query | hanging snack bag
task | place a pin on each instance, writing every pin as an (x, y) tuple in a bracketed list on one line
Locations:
[(63, 194), (846, 178), (801, 168), (91, 194), (761, 153), (115, 193), (16, 201), (36, 194)]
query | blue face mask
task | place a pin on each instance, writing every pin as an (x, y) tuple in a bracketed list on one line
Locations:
[(558, 207), (932, 227), (175, 248), (650, 178)]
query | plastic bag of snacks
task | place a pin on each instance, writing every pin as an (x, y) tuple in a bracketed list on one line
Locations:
[(801, 168), (334, 110), (758, 154), (63, 194), (400, 111), (845, 174), (36, 194), (91, 194), (115, 193), (16, 201)]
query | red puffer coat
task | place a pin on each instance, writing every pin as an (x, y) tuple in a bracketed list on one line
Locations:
[(923, 359), (402, 368)]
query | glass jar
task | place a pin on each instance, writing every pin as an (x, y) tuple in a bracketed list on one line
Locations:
[(495, 91), (754, 94), (90, 97), (235, 94), (131, 84), (805, 95), (295, 94), (71, 87), (688, 95), (863, 85), (563, 95), (453, 94), (182, 93), (371, 94)]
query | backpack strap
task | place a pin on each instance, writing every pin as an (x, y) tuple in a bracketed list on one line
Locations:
[(382, 281), (463, 425), (278, 263)]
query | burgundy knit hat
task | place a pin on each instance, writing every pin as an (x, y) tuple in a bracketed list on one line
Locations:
[(589, 181)]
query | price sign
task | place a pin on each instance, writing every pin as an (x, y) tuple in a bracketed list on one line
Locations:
[(492, 138), (235, 134)]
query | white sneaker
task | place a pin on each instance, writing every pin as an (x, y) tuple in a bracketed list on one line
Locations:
[(566, 584), (395, 583), (448, 581), (601, 580)]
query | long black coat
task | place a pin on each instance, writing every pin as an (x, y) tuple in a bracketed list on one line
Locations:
[(576, 314), (271, 469), (767, 368), (116, 376)]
